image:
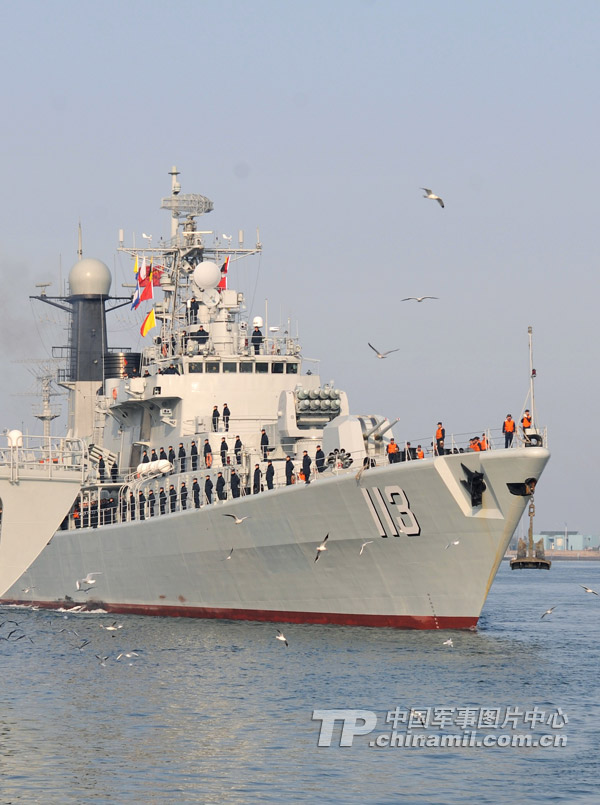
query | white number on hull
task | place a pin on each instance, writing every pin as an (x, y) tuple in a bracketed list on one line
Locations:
[(379, 505)]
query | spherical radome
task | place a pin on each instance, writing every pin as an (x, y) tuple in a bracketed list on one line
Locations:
[(90, 277), (207, 274)]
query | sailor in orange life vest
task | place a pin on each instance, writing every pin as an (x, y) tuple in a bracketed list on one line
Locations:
[(508, 429), (392, 451), (483, 442), (420, 453), (440, 436), (526, 423)]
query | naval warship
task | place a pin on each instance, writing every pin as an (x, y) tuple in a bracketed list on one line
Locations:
[(221, 480)]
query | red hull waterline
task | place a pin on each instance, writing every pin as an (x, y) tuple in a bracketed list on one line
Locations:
[(323, 618)]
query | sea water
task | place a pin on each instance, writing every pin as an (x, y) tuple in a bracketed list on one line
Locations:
[(223, 712)]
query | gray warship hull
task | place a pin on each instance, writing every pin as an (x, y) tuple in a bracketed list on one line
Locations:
[(429, 563)]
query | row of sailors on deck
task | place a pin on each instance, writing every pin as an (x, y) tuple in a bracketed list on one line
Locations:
[(144, 503)]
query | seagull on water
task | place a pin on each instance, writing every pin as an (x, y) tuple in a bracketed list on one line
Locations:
[(282, 637), (589, 589), (363, 546), (418, 298), (432, 196), (448, 642), (383, 354), (27, 589), (238, 520), (113, 626), (102, 660), (128, 654), (321, 547), (451, 544), (548, 612)]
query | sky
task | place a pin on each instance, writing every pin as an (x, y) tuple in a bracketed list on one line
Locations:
[(319, 122)]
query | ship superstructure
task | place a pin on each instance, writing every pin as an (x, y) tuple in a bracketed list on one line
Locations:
[(198, 431)]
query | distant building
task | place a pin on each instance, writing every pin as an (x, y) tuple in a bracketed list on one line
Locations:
[(567, 540)]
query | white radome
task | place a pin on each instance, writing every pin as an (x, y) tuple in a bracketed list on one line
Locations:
[(90, 277), (207, 275)]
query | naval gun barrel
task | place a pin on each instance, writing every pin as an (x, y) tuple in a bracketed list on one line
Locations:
[(378, 436)]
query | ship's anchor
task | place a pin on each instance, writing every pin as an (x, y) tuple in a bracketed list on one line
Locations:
[(475, 484)]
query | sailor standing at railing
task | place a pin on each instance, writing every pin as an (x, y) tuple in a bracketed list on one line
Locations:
[(256, 339), (194, 455), (306, 467), (196, 493), (235, 484), (269, 474)]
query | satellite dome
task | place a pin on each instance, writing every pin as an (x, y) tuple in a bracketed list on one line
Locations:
[(207, 274), (90, 277)]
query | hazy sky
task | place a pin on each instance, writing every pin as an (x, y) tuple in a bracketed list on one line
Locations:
[(318, 122)]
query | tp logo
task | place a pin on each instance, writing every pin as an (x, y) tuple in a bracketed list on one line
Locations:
[(350, 724)]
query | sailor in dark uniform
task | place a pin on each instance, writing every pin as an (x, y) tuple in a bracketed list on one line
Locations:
[(153, 456), (132, 505), (182, 455), (172, 498), (256, 480), (264, 444), (162, 500), (162, 454), (235, 484), (196, 493), (320, 459), (224, 449), (306, 467), (215, 419), (151, 502), (208, 488), (114, 472), (194, 455), (226, 415), (289, 471), (183, 496), (142, 504), (101, 470), (221, 493), (238, 450), (207, 453), (145, 457), (171, 455), (256, 340), (270, 474), (201, 335)]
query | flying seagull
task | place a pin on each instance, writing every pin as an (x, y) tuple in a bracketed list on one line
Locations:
[(450, 544), (589, 589), (128, 654), (433, 196), (282, 637), (238, 520), (383, 354), (322, 547), (548, 612), (364, 545), (228, 556), (149, 237), (418, 298)]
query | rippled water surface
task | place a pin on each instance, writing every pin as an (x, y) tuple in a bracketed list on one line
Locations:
[(221, 712)]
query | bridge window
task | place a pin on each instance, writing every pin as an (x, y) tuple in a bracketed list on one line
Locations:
[(246, 368), (229, 368), (262, 368), (277, 368), (195, 368), (291, 368), (212, 367)]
